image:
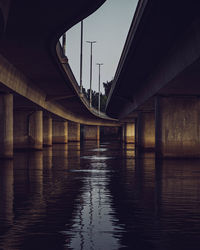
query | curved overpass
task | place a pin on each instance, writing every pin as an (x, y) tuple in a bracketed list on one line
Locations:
[(160, 56), (32, 65), (158, 76)]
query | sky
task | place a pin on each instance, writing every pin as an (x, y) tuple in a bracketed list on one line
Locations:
[(108, 26)]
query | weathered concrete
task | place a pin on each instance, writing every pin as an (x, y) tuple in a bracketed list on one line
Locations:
[(73, 131), (60, 132), (28, 130), (6, 125), (14, 80), (47, 131), (146, 130), (129, 132), (177, 127), (171, 50), (91, 133)]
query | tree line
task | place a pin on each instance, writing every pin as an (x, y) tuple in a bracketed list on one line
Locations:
[(95, 96)]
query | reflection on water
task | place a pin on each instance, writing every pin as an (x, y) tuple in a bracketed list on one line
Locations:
[(98, 196)]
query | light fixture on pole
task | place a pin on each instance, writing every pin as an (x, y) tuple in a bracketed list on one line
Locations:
[(91, 43), (99, 101), (81, 58)]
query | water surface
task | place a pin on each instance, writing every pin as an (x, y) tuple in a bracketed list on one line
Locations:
[(98, 196)]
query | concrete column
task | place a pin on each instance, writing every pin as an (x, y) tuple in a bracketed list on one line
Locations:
[(129, 132), (28, 130), (91, 132), (146, 130), (177, 127), (74, 131), (60, 132), (6, 125), (47, 131)]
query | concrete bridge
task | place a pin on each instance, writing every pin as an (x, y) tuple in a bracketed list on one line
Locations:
[(40, 100), (158, 76)]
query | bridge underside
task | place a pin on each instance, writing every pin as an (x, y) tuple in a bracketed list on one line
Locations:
[(40, 99), (157, 81)]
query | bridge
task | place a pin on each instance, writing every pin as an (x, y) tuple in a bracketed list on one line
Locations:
[(40, 100), (157, 79), (154, 97)]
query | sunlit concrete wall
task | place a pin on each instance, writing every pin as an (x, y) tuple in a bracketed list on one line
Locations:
[(91, 132), (177, 126), (73, 131), (60, 131), (146, 130)]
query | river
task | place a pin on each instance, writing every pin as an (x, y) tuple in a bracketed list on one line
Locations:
[(99, 196)]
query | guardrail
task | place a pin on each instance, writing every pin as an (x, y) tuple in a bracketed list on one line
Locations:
[(67, 69)]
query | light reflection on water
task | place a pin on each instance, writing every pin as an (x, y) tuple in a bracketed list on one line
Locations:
[(93, 225), (93, 196)]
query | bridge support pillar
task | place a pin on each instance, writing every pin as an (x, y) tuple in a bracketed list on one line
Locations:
[(146, 130), (6, 125), (74, 131), (28, 130), (91, 132), (177, 127), (60, 132), (47, 131), (128, 132)]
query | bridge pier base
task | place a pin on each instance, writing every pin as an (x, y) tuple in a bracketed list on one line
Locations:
[(60, 132), (146, 130), (47, 131), (91, 132), (128, 132), (74, 131), (177, 127), (28, 130), (6, 125)]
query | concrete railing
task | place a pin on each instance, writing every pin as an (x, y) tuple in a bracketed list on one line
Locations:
[(67, 69)]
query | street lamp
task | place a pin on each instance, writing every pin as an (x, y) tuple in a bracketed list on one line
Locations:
[(99, 64), (91, 43), (81, 58)]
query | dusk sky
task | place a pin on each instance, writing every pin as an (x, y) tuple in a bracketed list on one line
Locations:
[(108, 26)]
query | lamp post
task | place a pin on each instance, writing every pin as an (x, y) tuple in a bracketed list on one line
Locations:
[(81, 58), (91, 43), (99, 101)]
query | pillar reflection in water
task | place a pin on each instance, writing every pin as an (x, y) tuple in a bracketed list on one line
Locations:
[(6, 193), (47, 158), (28, 197), (129, 155), (60, 156), (35, 166), (180, 191), (74, 155), (129, 150)]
